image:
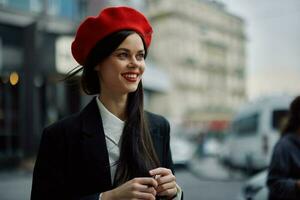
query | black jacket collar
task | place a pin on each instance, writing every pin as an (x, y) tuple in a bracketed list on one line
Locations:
[(91, 119), (94, 150)]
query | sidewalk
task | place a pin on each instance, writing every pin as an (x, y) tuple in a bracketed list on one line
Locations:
[(15, 185)]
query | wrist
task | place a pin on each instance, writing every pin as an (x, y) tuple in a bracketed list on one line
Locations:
[(174, 196)]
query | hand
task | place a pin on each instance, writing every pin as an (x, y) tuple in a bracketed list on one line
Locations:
[(137, 188), (166, 182)]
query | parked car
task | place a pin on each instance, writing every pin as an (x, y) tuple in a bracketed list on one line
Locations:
[(211, 147), (254, 132), (255, 188), (182, 150), (182, 147), (224, 154)]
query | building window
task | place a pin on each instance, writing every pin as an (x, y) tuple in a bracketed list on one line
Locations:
[(53, 7), (16, 4), (190, 61), (36, 5), (3, 2)]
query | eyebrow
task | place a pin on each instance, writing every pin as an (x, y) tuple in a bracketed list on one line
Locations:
[(127, 50)]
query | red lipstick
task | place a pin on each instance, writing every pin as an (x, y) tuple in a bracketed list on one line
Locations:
[(131, 77)]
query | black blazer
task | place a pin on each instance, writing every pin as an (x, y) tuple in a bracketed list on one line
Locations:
[(284, 169), (72, 161)]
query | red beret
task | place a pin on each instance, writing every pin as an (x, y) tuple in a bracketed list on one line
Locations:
[(109, 20)]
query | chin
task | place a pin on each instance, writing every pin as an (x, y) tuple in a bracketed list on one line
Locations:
[(131, 89)]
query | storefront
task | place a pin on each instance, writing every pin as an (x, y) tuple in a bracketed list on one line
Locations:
[(32, 93), (10, 70)]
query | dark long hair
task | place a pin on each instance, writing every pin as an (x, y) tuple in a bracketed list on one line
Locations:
[(293, 122), (137, 153)]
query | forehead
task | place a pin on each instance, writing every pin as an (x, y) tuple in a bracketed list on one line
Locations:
[(133, 42)]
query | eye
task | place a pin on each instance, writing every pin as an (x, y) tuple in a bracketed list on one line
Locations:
[(122, 55), (140, 56)]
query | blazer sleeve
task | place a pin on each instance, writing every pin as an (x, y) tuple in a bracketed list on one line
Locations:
[(49, 175), (279, 182)]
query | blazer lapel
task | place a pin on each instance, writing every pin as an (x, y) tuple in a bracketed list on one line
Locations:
[(94, 150)]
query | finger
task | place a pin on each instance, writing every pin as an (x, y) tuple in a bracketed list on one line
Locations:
[(142, 195), (137, 187), (160, 171), (145, 189), (146, 181), (135, 199), (169, 192), (166, 179), (166, 186), (150, 190)]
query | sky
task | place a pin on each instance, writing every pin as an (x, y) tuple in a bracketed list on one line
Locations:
[(273, 45)]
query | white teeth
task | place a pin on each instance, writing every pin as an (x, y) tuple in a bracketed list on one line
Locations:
[(130, 75)]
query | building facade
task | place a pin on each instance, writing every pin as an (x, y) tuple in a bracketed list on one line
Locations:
[(202, 47), (31, 93)]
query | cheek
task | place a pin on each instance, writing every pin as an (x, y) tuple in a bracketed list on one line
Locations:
[(142, 68), (110, 76), (106, 72)]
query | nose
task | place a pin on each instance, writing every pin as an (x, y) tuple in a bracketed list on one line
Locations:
[(134, 63)]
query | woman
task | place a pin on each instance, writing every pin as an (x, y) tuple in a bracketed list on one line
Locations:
[(112, 149), (284, 171)]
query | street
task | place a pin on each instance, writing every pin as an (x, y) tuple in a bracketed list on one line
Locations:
[(197, 189), (16, 185)]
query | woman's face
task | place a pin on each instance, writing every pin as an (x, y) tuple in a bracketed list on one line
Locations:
[(122, 71)]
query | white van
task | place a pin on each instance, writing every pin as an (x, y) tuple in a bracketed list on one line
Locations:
[(254, 131)]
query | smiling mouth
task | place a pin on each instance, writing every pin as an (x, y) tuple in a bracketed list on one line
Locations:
[(131, 77)]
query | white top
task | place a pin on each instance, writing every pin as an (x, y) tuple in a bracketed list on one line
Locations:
[(113, 128)]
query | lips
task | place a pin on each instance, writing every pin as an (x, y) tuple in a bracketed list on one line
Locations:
[(131, 77)]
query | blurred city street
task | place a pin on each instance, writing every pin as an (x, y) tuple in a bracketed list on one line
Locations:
[(222, 72), (15, 185), (196, 188), (199, 183)]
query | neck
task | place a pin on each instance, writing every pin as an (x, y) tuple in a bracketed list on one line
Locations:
[(115, 104)]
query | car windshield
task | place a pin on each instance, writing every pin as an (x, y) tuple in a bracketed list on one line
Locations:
[(246, 126)]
